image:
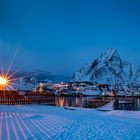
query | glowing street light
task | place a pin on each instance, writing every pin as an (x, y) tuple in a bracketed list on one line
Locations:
[(3, 81), (6, 82)]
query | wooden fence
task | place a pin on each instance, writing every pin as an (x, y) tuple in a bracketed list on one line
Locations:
[(14, 98)]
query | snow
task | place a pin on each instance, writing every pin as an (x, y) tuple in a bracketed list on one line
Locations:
[(24, 83), (91, 92), (42, 122), (107, 107)]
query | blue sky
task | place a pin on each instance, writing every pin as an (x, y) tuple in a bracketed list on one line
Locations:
[(62, 35)]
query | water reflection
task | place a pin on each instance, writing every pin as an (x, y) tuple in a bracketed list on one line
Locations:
[(95, 101), (69, 101), (74, 101)]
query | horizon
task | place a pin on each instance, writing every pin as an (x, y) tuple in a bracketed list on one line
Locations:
[(24, 69), (60, 37)]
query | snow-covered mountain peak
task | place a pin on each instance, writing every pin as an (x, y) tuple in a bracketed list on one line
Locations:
[(109, 68), (110, 55)]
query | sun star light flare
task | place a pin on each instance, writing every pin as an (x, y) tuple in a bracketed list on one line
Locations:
[(6, 82), (3, 81)]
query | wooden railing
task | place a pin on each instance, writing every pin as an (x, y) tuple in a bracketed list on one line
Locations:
[(124, 104), (14, 98)]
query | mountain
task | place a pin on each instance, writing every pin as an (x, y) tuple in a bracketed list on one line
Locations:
[(28, 80), (110, 69), (40, 75), (43, 76)]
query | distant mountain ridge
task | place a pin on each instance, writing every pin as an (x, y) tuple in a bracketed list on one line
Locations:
[(43, 75), (109, 68), (28, 80)]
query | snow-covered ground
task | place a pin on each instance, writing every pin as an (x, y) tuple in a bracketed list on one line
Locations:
[(42, 122)]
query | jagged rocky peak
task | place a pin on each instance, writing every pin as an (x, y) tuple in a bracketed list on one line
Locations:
[(111, 53), (109, 68), (107, 58)]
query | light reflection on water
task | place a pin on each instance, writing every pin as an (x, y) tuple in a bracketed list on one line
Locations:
[(79, 101), (73, 101)]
